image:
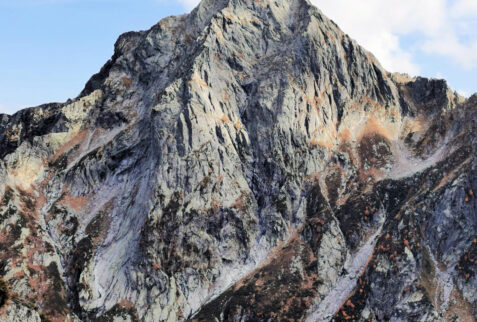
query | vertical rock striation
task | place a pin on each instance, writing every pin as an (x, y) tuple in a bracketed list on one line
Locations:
[(245, 162)]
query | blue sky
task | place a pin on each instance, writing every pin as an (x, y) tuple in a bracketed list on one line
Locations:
[(50, 48), (432, 38)]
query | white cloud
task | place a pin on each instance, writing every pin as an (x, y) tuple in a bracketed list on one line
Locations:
[(393, 15), (189, 4), (439, 24), (464, 8), (186, 4), (443, 27), (377, 25), (465, 54), (386, 47)]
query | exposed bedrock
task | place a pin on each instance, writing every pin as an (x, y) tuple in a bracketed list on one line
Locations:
[(245, 162)]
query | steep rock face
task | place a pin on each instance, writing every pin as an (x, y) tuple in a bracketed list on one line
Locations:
[(248, 161)]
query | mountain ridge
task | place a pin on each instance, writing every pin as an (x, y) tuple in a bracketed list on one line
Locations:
[(228, 164)]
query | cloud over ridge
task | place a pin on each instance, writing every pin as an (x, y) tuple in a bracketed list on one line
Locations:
[(441, 27)]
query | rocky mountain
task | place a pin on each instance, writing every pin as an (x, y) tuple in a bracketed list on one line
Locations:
[(245, 162)]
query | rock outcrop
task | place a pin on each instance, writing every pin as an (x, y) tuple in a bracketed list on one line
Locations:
[(245, 162)]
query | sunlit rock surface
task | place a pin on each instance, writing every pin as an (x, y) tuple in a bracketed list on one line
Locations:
[(246, 162)]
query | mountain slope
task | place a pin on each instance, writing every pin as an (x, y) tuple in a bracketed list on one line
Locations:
[(248, 161)]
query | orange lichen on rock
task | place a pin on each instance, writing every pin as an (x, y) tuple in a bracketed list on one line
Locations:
[(18, 275), (226, 97), (406, 243), (238, 125), (374, 126), (126, 304), (126, 81), (345, 135), (31, 204), (68, 145), (215, 205), (76, 203), (447, 178), (323, 144), (241, 202)]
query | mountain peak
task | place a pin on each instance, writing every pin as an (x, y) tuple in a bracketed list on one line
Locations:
[(272, 11), (247, 162)]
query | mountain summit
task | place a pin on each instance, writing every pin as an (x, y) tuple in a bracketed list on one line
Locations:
[(245, 162)]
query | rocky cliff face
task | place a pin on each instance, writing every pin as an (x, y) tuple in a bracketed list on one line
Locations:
[(246, 162)]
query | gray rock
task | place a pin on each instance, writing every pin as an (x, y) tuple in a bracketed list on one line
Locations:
[(241, 163)]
